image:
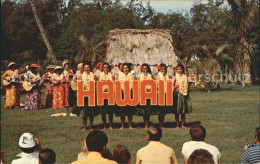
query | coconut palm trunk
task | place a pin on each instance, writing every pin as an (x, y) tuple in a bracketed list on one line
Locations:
[(50, 55)]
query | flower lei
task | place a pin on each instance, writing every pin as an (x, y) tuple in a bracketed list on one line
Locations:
[(182, 81)]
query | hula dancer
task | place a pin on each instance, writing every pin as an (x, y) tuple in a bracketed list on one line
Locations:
[(162, 75), (49, 87), (146, 110), (58, 88), (12, 90), (104, 76), (181, 101), (87, 111), (33, 96), (126, 110)]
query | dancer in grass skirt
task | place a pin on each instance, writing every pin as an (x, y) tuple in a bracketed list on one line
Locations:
[(146, 110), (162, 75), (105, 109), (87, 111), (181, 99), (126, 110)]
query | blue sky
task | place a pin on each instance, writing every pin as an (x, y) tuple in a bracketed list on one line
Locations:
[(166, 5)]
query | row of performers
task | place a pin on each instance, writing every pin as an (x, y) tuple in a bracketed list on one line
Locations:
[(59, 94)]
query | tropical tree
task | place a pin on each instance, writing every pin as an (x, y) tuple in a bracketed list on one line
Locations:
[(43, 34), (240, 15)]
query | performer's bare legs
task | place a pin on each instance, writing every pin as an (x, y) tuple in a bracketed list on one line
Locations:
[(122, 122), (130, 118)]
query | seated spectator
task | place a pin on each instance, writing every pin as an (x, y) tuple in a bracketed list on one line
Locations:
[(121, 154), (96, 144), (252, 154), (47, 156), (2, 157), (84, 152), (28, 146), (198, 134), (200, 156), (155, 151), (107, 154)]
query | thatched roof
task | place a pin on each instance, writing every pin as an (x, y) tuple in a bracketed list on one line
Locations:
[(137, 46)]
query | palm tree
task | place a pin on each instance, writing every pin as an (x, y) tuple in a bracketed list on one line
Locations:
[(50, 54), (242, 16)]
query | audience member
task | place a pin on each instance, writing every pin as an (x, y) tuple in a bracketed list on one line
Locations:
[(201, 156), (198, 134), (47, 156), (84, 151), (155, 151), (107, 154), (121, 154), (96, 144), (252, 154), (2, 157), (28, 145)]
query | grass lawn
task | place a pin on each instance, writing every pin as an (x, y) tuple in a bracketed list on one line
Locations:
[(229, 115)]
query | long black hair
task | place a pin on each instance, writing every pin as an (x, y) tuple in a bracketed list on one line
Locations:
[(128, 65), (109, 67), (89, 64), (182, 67), (149, 69)]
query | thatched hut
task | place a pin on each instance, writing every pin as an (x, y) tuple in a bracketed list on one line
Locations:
[(137, 46)]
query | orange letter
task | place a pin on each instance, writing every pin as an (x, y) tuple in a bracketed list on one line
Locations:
[(169, 96), (85, 93), (161, 93), (105, 95), (126, 100), (148, 95)]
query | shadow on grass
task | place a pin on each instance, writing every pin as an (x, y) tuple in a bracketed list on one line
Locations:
[(217, 90), (141, 125)]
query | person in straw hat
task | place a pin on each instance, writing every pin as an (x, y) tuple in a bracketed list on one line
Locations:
[(12, 90), (49, 87), (33, 97), (58, 88)]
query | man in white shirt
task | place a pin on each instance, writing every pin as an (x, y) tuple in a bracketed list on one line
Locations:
[(198, 134), (28, 145), (155, 151)]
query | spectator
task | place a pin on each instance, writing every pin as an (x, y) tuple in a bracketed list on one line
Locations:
[(121, 154), (252, 154), (2, 157), (96, 144), (200, 156), (107, 154), (198, 134), (28, 146), (155, 151), (84, 151), (47, 156)]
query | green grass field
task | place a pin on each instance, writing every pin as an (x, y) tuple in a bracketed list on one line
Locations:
[(229, 115)]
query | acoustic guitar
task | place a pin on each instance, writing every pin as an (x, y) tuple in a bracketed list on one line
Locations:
[(9, 81), (74, 85), (28, 85)]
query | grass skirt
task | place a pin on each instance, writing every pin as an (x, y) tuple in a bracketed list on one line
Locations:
[(181, 104)]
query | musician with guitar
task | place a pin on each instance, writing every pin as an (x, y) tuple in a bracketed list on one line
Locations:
[(68, 75), (58, 88), (32, 86), (49, 87), (10, 80)]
